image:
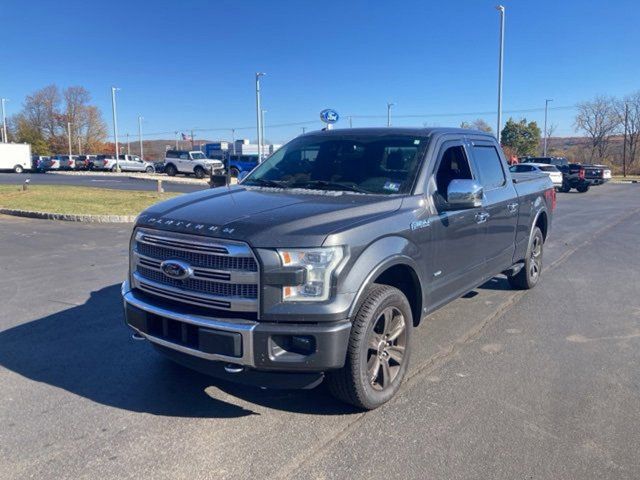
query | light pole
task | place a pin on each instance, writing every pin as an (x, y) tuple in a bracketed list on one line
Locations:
[(350, 122), (500, 8), (389, 105), (115, 126), (79, 144), (262, 126), (128, 145), (69, 136), (304, 130), (546, 132), (259, 114), (5, 139), (140, 136), (176, 140)]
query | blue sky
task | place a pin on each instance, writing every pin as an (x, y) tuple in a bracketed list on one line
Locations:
[(191, 64)]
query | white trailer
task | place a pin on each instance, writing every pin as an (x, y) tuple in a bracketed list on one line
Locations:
[(15, 156)]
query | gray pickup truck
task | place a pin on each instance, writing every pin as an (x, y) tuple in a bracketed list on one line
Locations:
[(320, 263)]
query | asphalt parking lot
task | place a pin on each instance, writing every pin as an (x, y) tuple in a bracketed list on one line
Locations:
[(503, 384), (100, 181)]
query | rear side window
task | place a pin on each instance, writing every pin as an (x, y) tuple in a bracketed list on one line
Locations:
[(489, 167), (548, 168)]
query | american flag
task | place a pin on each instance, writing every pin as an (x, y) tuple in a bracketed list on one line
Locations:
[(186, 137)]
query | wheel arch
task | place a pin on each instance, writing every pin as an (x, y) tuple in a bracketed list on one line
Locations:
[(399, 271)]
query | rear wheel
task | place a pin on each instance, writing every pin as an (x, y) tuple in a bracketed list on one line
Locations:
[(378, 351), (149, 169), (199, 172), (583, 188), (565, 188), (18, 169), (171, 170), (529, 275)]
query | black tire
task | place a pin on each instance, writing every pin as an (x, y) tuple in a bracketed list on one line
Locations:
[(149, 170), (529, 275), (565, 188), (114, 168), (234, 172), (372, 375), (171, 170), (18, 169), (199, 172), (583, 188)]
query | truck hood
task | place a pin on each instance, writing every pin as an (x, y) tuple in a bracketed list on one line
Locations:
[(267, 218)]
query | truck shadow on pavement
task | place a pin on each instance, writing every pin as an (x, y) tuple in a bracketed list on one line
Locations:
[(87, 350)]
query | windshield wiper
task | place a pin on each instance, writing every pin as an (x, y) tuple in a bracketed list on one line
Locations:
[(263, 182), (326, 185)]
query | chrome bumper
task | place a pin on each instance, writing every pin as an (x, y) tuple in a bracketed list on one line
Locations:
[(243, 327)]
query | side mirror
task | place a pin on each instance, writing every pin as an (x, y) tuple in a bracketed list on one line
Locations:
[(463, 194), (242, 175)]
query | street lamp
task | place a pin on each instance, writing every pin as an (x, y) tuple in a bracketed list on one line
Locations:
[(262, 132), (69, 135), (259, 114), (500, 8), (140, 118), (389, 105), (128, 144), (546, 132), (115, 125), (5, 139)]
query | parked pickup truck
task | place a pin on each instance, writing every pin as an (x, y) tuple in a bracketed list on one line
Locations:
[(575, 175), (321, 262)]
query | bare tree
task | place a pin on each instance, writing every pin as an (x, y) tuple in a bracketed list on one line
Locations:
[(477, 124), (629, 114), (599, 119)]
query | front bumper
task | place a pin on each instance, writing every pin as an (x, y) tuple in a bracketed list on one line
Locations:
[(261, 346)]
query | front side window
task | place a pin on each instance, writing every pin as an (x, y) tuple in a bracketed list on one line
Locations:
[(380, 164), (453, 166), (489, 166), (198, 156)]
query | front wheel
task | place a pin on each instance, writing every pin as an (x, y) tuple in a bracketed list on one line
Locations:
[(565, 188), (199, 172), (18, 169), (529, 274), (583, 188), (378, 351), (149, 169)]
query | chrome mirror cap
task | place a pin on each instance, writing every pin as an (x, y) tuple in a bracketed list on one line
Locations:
[(464, 194)]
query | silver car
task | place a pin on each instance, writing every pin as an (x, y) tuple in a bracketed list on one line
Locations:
[(127, 163)]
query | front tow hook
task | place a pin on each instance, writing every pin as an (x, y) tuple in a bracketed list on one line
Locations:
[(137, 336), (233, 368)]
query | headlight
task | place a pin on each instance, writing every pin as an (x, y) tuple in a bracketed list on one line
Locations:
[(319, 263)]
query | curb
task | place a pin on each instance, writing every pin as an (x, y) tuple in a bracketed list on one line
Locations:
[(182, 181), (68, 217)]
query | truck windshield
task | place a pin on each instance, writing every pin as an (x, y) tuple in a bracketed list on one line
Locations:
[(374, 164)]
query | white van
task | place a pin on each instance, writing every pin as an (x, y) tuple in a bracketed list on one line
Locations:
[(15, 156)]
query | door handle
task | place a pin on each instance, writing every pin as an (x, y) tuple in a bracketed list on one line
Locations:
[(482, 217), (512, 207)]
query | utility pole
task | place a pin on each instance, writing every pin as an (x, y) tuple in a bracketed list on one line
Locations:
[(546, 132), (140, 136), (115, 126), (350, 122), (176, 140), (69, 136), (192, 141), (389, 105), (500, 8), (259, 114), (624, 140), (304, 130), (128, 145), (5, 139), (233, 136)]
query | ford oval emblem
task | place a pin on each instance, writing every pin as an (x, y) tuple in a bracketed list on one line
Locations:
[(329, 116), (176, 269)]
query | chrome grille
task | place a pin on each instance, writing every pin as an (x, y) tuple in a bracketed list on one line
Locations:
[(224, 273)]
